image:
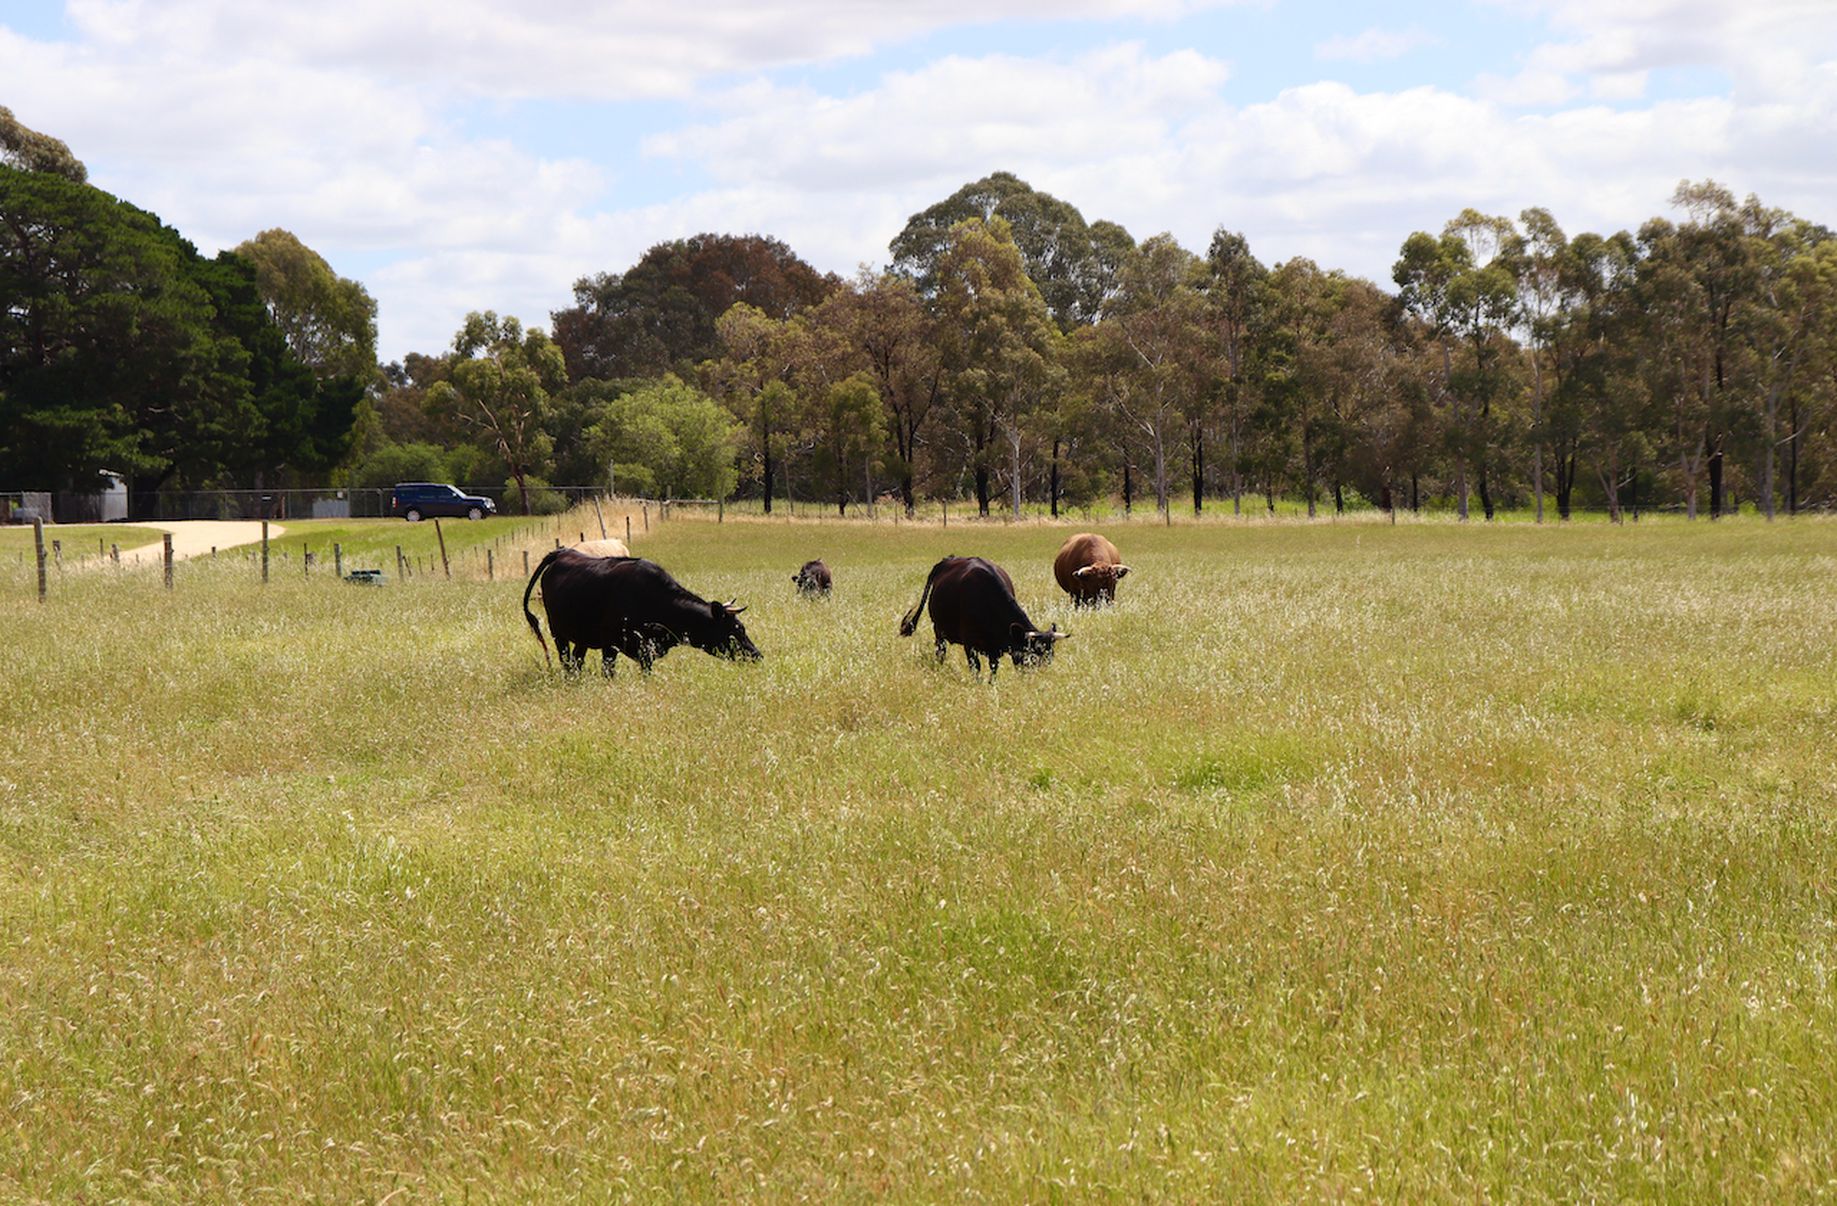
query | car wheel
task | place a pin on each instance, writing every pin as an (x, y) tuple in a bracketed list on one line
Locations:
[(413, 515), (475, 513)]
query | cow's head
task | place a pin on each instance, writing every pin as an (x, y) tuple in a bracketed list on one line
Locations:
[(1031, 647), (724, 635), (1102, 577)]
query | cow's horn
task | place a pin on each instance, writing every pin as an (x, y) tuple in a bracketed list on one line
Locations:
[(1121, 570), (1082, 570)]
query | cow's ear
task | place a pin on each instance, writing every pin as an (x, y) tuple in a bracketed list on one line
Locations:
[(1122, 571)]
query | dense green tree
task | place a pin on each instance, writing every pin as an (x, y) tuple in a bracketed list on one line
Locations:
[(1235, 288), (665, 438), (122, 349), (661, 314)]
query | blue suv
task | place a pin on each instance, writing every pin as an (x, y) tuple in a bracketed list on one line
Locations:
[(415, 501)]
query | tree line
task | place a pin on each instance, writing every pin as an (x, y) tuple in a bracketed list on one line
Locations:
[(1009, 351)]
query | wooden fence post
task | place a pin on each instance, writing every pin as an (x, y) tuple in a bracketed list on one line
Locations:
[(526, 563), (38, 539), (628, 530), (264, 550), (114, 553), (646, 508), (601, 514), (168, 551), (720, 510), (401, 570), (490, 566), (441, 537), (337, 560), (57, 553)]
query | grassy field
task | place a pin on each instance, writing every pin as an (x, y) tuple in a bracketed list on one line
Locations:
[(79, 539), (1337, 860)]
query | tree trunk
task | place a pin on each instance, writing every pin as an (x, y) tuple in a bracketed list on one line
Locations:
[(1486, 495), (1160, 470), (1415, 491), (1792, 457), (1460, 480), (517, 472), (1128, 486), (765, 448), (1307, 469), (1199, 467), (1339, 497), (1052, 489), (1014, 467), (1537, 422), (1713, 454)]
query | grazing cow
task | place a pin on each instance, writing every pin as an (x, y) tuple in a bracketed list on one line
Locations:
[(973, 605), (1088, 568), (627, 605), (611, 546), (812, 579)]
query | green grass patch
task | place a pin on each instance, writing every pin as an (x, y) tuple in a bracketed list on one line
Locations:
[(1337, 860)]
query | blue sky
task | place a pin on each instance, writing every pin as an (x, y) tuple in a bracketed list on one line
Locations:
[(455, 155)]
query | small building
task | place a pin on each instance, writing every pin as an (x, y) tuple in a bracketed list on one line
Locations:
[(106, 505)]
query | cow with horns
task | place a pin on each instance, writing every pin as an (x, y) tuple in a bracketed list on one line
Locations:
[(1088, 568), (628, 605), (973, 605)]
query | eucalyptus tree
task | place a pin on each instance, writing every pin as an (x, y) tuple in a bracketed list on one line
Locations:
[(996, 343), (1463, 287), (1235, 288), (499, 384), (28, 150), (329, 322), (884, 320), (1157, 333)]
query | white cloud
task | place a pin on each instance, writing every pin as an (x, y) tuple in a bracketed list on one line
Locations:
[(575, 48), (1373, 45)]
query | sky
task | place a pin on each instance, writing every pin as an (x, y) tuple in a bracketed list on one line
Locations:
[(457, 155)]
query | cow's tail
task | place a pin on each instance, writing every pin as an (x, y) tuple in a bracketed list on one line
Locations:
[(909, 623), (535, 626)]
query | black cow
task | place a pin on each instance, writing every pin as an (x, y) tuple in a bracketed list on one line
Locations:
[(973, 605), (812, 578), (627, 605)]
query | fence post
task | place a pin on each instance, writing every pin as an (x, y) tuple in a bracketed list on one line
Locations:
[(114, 553), (400, 572), (720, 510), (946, 505), (101, 548), (337, 560), (526, 563), (168, 551), (646, 508), (490, 566), (601, 514), (57, 553), (628, 529), (306, 560), (38, 539), (264, 550), (583, 538), (441, 537)]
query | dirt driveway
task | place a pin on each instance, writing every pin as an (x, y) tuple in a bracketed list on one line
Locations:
[(197, 537)]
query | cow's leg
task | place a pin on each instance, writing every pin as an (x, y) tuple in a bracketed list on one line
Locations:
[(994, 665), (943, 644), (607, 656), (974, 659), (571, 657)]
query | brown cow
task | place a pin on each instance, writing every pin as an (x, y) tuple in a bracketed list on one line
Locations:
[(813, 579), (1088, 568)]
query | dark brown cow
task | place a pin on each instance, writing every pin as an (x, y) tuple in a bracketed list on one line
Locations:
[(627, 605), (1088, 568), (973, 605), (812, 578)]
